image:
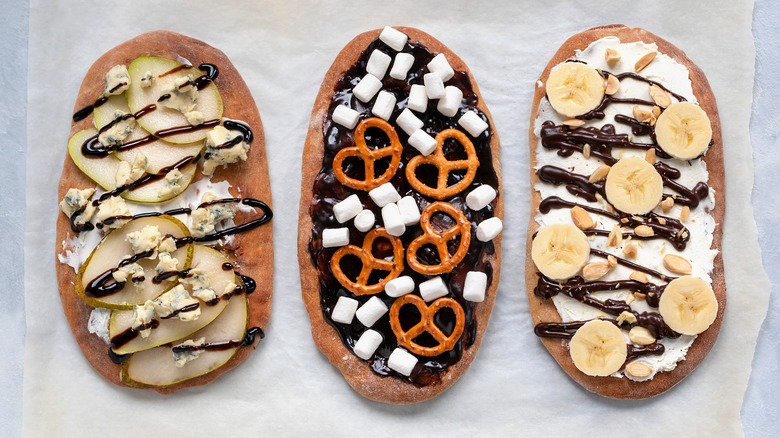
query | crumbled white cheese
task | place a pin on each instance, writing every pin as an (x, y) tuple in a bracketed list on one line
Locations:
[(168, 244), (204, 219), (166, 263), (230, 287), (117, 81), (173, 182), (146, 80), (174, 300), (145, 239), (199, 280), (126, 173), (216, 155), (142, 316), (205, 294), (202, 222), (195, 118), (113, 206), (74, 200), (121, 128), (134, 271), (182, 357), (98, 323), (183, 96)]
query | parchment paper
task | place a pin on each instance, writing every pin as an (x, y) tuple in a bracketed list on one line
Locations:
[(287, 387)]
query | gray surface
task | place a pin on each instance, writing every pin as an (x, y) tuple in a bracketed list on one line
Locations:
[(761, 410)]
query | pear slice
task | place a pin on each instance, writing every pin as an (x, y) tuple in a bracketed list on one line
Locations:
[(159, 153), (164, 73), (157, 368), (102, 170), (169, 330), (113, 249)]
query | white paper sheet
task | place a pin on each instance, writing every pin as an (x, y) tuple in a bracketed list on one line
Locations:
[(287, 387)]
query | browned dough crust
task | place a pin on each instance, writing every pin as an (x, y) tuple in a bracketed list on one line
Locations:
[(355, 370), (253, 249), (544, 310)]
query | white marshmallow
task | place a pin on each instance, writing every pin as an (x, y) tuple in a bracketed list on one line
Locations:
[(367, 344), (450, 103), (441, 67), (344, 310), (432, 289), (384, 194), (391, 218), (378, 63), (347, 209), (334, 237), (402, 361), (474, 287), (418, 99), (371, 311), (480, 197), (367, 88), (423, 142), (384, 105), (399, 286), (489, 229), (472, 123), (410, 212), (403, 62), (365, 220), (393, 38), (346, 116), (434, 86), (408, 121)]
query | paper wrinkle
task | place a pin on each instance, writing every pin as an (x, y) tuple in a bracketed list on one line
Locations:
[(287, 387)]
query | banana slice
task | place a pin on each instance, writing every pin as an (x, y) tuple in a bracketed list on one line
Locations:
[(688, 305), (683, 130), (598, 348), (634, 186), (574, 88), (560, 251)]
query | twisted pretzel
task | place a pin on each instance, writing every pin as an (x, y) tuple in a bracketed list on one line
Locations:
[(427, 324), (369, 156), (370, 263), (445, 167), (439, 239)]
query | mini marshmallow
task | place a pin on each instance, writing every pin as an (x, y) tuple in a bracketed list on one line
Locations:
[(367, 344), (423, 142), (378, 63), (334, 237), (489, 229), (432, 289), (371, 311), (347, 209), (402, 361), (434, 86), (441, 67), (449, 104), (393, 38), (399, 286), (344, 310), (367, 88), (345, 116), (384, 194), (391, 217), (410, 212), (403, 62), (365, 220), (474, 286), (480, 197), (408, 122), (418, 99), (384, 105), (472, 123)]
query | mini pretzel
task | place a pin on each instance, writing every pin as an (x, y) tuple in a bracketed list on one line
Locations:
[(445, 167), (427, 324), (370, 263), (440, 239), (369, 156)]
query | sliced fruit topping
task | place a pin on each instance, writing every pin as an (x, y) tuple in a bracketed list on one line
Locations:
[(181, 98), (560, 251), (634, 186), (121, 270), (688, 305), (574, 88), (683, 130), (598, 348)]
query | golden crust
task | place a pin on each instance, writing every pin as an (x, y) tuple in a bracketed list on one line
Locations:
[(354, 369), (253, 250), (544, 310)]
